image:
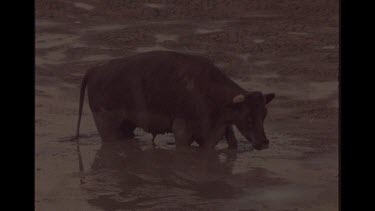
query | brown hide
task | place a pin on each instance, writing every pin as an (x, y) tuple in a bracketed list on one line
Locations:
[(153, 88)]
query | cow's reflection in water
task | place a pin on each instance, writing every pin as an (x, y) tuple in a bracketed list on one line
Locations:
[(123, 176)]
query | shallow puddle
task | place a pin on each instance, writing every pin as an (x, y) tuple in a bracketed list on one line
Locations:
[(83, 6), (335, 103), (329, 47), (262, 63), (265, 76), (258, 41), (46, 23), (49, 40), (135, 175), (156, 6), (98, 57), (323, 89), (151, 48), (132, 177), (259, 14), (206, 31), (107, 27), (166, 37), (299, 33), (52, 57), (245, 56)]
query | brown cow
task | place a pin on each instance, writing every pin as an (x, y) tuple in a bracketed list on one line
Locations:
[(165, 91)]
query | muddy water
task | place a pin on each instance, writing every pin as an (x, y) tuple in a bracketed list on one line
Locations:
[(83, 6), (151, 48), (133, 174), (295, 59), (166, 37)]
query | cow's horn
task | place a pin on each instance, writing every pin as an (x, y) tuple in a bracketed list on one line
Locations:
[(239, 98)]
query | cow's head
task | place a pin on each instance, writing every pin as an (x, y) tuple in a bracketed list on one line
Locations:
[(248, 113)]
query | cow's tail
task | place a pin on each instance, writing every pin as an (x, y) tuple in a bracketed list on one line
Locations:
[(81, 101)]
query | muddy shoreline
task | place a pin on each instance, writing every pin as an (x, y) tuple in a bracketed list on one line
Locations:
[(286, 47)]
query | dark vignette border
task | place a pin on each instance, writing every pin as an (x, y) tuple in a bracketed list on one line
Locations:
[(23, 31), (18, 97)]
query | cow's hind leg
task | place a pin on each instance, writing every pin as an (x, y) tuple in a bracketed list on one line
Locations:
[(182, 133), (109, 125)]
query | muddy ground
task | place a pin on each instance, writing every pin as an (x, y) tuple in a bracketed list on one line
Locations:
[(284, 46)]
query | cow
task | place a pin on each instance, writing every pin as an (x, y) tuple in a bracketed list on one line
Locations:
[(170, 92)]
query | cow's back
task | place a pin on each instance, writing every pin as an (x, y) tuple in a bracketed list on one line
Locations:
[(161, 82)]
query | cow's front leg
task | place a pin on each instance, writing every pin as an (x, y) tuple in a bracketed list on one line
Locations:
[(182, 133), (214, 137), (229, 136)]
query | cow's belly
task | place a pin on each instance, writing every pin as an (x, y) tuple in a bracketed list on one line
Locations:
[(150, 122)]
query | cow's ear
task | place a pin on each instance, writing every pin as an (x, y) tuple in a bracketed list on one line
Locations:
[(255, 97), (236, 104), (233, 108), (269, 97)]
